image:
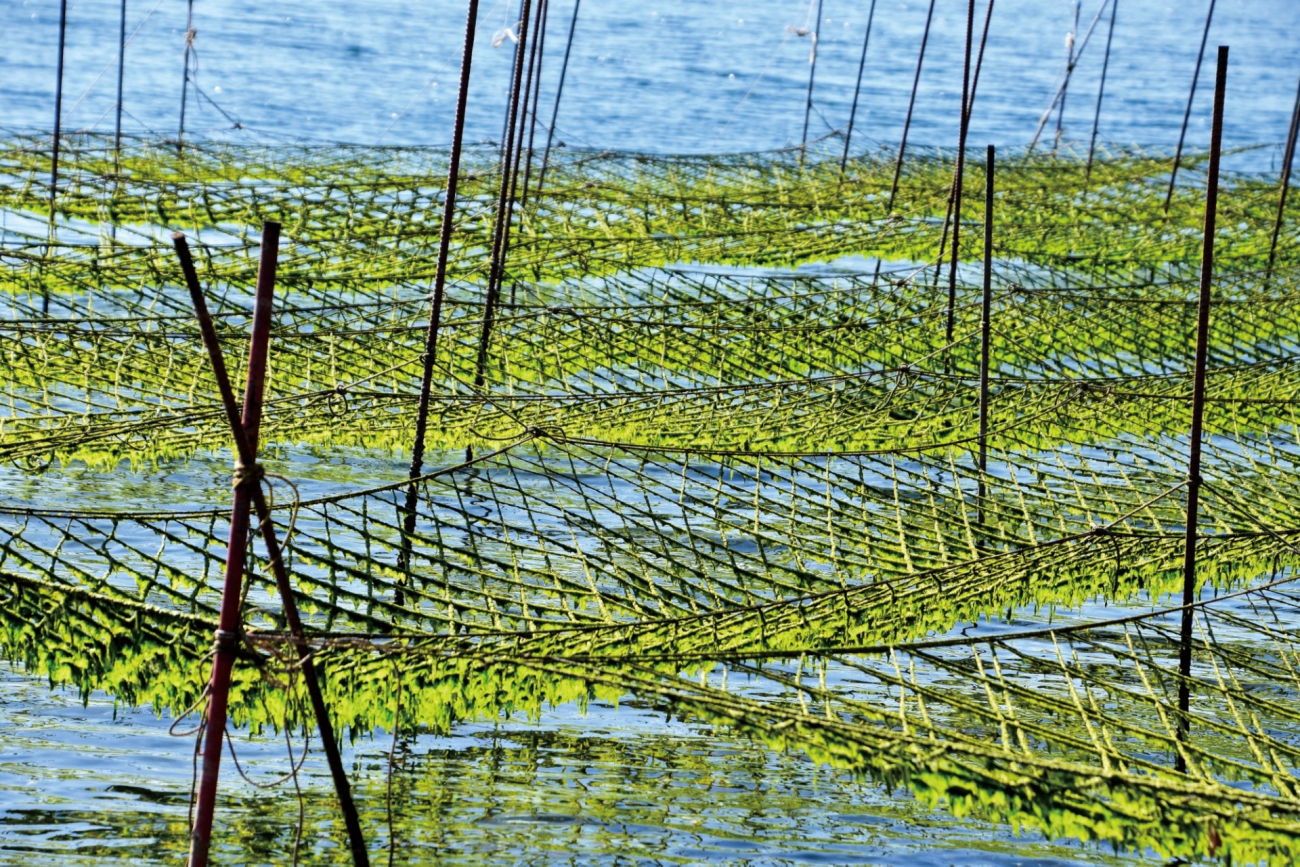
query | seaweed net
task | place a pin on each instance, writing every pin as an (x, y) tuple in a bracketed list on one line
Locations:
[(745, 493)]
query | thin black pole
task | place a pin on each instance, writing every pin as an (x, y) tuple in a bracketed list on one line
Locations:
[(857, 88), (812, 74), (960, 173), (121, 73), (1187, 113), (970, 105), (1101, 90), (530, 82), (1198, 408), (532, 122), (503, 206), (1287, 157), (58, 131), (911, 104), (185, 81), (986, 306), (1070, 60), (559, 91), (439, 287)]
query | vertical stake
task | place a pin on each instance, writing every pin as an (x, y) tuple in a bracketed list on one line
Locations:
[(1187, 113), (812, 74), (986, 305), (1198, 408), (907, 122), (1101, 89), (439, 288), (121, 72), (1287, 157), (185, 80), (58, 129), (532, 84), (857, 88), (559, 91), (1070, 61), (248, 493), (957, 179), (503, 205)]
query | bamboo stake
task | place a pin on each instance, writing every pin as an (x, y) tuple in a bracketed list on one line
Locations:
[(1070, 60), (960, 173), (1198, 406), (121, 73), (1187, 113), (439, 288), (911, 104), (248, 492)]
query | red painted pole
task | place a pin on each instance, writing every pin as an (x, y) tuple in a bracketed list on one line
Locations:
[(228, 627)]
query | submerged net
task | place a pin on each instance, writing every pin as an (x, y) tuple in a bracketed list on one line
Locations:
[(696, 477)]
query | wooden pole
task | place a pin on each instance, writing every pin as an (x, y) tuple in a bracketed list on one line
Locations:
[(1288, 156), (857, 88), (58, 131), (532, 83), (986, 308), (248, 492), (121, 74), (439, 289), (1187, 113), (1198, 407), (1070, 59)]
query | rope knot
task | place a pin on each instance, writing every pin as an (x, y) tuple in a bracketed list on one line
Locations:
[(225, 641), (189, 36), (244, 475)]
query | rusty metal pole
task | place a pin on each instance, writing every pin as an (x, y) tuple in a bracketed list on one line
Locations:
[(248, 492), (1287, 157), (1198, 408), (1187, 113), (439, 288)]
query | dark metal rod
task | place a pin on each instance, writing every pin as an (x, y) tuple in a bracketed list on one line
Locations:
[(1187, 113), (121, 74), (986, 305), (857, 88), (960, 172), (58, 130), (812, 75), (498, 234), (537, 98), (1070, 60), (559, 91), (1101, 90), (970, 105), (185, 81), (531, 83), (439, 288), (1287, 157), (911, 104), (245, 431), (1198, 407), (505, 117)]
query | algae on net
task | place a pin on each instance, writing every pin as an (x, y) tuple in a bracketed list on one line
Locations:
[(679, 466)]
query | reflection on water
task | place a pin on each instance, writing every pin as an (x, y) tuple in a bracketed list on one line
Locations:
[(97, 786)]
